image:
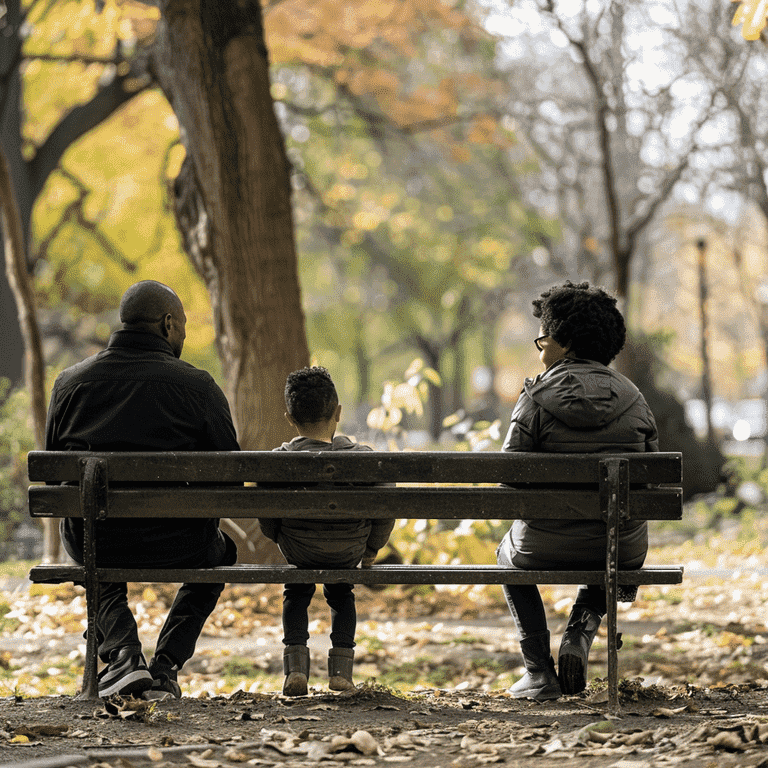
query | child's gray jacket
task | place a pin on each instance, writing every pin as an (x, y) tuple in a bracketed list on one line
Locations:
[(337, 543)]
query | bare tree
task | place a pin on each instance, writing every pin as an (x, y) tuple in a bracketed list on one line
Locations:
[(609, 156)]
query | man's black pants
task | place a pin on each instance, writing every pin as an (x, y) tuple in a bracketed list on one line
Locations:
[(116, 625)]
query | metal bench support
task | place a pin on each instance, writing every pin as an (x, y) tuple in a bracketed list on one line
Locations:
[(614, 496), (93, 502)]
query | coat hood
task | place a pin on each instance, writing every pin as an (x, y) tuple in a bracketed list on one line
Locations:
[(340, 443), (583, 394)]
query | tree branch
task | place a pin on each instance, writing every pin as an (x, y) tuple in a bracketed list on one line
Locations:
[(603, 112), (18, 277), (85, 117), (74, 212)]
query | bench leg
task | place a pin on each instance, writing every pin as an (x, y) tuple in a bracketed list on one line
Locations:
[(616, 486), (613, 653), (93, 487), (90, 679)]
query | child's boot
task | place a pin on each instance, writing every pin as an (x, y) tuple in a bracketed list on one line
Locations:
[(296, 669), (340, 662)]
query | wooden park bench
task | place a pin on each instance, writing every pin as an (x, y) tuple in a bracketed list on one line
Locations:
[(430, 485)]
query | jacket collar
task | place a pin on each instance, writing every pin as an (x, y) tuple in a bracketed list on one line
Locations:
[(145, 340)]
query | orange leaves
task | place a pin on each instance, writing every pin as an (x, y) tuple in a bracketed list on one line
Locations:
[(483, 131), (362, 45), (752, 14), (329, 26), (379, 83)]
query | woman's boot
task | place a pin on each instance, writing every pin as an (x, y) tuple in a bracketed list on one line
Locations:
[(340, 662), (296, 670), (583, 624), (539, 681)]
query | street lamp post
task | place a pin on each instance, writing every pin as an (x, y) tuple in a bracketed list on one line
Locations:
[(706, 371)]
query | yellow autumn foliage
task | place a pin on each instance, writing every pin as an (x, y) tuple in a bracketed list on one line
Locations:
[(752, 15)]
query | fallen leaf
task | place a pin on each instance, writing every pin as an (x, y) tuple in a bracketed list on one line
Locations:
[(666, 712), (633, 739), (316, 750), (600, 732), (365, 743), (598, 697), (727, 740)]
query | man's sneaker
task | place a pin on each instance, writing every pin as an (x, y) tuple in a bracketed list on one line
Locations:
[(164, 679), (126, 674)]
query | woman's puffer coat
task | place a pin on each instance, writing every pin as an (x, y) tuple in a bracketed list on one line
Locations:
[(577, 406)]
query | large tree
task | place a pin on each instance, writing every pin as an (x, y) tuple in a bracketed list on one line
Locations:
[(232, 200), (31, 162), (231, 197)]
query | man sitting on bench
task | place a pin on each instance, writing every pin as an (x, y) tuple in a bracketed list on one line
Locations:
[(137, 395)]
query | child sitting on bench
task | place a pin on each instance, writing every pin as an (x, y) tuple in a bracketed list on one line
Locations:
[(313, 409)]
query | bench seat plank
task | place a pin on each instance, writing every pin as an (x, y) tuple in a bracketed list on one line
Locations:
[(430, 503), (377, 574), (362, 466)]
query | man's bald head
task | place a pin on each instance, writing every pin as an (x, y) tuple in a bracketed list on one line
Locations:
[(154, 307), (148, 302)]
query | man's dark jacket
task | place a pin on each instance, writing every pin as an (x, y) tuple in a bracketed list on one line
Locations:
[(136, 395)]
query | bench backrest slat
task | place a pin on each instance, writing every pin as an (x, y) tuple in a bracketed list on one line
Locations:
[(373, 466), (409, 502)]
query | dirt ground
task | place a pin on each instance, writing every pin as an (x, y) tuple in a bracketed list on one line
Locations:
[(432, 671), (373, 727)]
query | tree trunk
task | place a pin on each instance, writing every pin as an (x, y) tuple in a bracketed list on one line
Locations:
[(233, 206), (12, 357), (34, 365)]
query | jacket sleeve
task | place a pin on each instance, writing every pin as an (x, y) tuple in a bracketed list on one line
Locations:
[(218, 418), (379, 535), (521, 434), (51, 443), (270, 527), (652, 434), (381, 528)]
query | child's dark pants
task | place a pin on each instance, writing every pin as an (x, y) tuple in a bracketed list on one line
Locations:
[(341, 601)]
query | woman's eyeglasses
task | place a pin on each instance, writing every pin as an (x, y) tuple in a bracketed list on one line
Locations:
[(538, 340)]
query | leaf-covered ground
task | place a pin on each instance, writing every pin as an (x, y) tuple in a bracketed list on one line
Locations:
[(432, 666)]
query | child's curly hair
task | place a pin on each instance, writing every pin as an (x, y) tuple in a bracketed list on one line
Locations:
[(310, 395), (582, 319)]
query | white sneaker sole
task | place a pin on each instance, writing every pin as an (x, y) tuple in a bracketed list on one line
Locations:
[(137, 681)]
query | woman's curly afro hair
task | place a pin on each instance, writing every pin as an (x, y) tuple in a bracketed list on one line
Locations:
[(582, 319), (310, 395)]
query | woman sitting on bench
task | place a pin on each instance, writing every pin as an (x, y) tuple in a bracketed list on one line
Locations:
[(577, 405)]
